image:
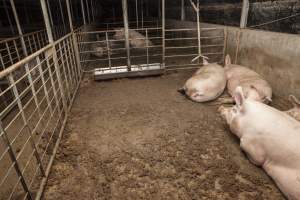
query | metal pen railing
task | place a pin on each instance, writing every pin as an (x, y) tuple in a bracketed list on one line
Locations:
[(11, 50), (34, 117), (99, 49)]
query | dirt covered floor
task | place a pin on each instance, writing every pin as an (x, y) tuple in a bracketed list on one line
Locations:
[(140, 139)]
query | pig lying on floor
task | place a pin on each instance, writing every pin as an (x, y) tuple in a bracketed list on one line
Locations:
[(207, 84), (270, 138), (136, 39), (254, 86)]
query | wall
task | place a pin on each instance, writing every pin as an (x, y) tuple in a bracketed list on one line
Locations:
[(273, 55)]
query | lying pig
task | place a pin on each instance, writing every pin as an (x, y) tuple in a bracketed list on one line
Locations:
[(295, 111), (270, 138), (207, 84), (254, 86), (136, 39), (99, 49)]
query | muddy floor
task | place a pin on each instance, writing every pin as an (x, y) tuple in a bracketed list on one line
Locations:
[(140, 139)]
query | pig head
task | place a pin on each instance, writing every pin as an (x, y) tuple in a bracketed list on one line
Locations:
[(270, 138), (254, 86)]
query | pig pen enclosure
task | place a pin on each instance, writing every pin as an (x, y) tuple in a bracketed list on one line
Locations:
[(85, 114)]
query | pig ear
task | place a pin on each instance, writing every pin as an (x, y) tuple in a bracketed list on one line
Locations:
[(227, 60), (294, 101), (239, 97)]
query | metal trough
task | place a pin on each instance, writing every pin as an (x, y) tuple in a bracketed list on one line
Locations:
[(123, 71)]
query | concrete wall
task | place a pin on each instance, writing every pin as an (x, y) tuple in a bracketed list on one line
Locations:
[(276, 56)]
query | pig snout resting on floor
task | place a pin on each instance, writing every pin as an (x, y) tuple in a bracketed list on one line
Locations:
[(254, 86), (136, 39), (207, 84), (270, 138), (295, 111)]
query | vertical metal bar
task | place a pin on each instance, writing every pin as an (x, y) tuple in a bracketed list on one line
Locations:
[(50, 14), (182, 11), (69, 65), (108, 49), (8, 17), (142, 12), (68, 92), (39, 40), (18, 26), (62, 16), (19, 103), (9, 53), (224, 45), (147, 47), (244, 15), (14, 161), (163, 33), (198, 29), (126, 28), (136, 14), (83, 12), (75, 44), (16, 47), (88, 11), (73, 60), (44, 83), (50, 37)]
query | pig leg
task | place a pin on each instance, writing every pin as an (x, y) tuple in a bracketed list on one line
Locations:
[(255, 152)]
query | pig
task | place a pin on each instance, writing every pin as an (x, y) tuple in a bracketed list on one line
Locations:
[(295, 111), (270, 138), (99, 49), (254, 86), (207, 84), (136, 39)]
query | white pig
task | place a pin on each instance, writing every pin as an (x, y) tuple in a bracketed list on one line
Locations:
[(136, 39), (270, 138), (295, 111), (207, 84), (254, 86)]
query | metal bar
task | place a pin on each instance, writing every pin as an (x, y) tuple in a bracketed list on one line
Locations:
[(88, 11), (19, 103), (136, 13), (50, 14), (18, 26), (147, 44), (126, 28), (225, 44), (108, 50), (44, 83), (8, 17), (182, 10), (75, 45), (83, 12), (62, 16), (163, 32), (199, 30), (142, 12), (51, 41), (14, 161), (244, 14)]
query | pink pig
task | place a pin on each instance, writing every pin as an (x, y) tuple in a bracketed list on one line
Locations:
[(270, 138)]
